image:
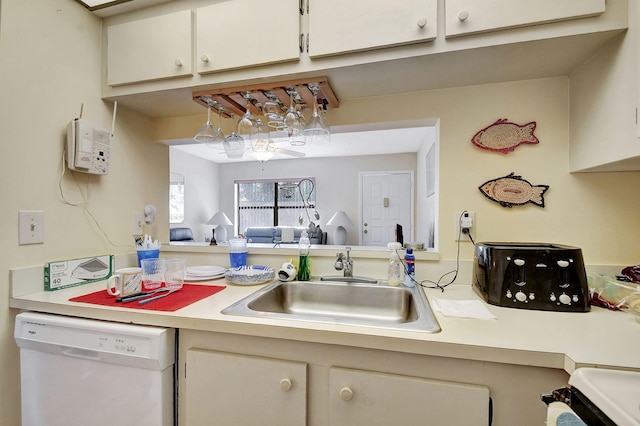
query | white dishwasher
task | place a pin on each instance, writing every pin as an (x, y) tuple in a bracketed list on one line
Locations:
[(78, 371)]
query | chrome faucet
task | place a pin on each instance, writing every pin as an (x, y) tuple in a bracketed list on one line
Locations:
[(345, 265)]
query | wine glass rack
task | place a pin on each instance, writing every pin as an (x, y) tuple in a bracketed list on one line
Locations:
[(233, 101)]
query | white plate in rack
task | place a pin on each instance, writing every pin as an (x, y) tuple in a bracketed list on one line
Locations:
[(205, 270)]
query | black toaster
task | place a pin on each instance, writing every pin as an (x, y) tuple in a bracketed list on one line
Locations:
[(548, 277)]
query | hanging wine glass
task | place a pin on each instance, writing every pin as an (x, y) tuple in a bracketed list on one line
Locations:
[(247, 123), (207, 134), (261, 143), (292, 123), (234, 146), (315, 131)]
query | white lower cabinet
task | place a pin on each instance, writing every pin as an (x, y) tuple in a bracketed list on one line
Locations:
[(363, 398), (231, 389), (236, 389)]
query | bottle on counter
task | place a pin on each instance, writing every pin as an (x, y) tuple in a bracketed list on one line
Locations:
[(304, 248), (395, 271), (410, 268)]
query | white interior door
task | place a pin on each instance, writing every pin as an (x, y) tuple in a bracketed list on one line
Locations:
[(386, 200)]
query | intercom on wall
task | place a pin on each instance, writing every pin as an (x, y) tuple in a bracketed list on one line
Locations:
[(87, 147)]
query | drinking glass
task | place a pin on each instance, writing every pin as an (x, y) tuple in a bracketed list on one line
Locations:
[(174, 273)]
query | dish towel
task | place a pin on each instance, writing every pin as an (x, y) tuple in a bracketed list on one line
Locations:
[(462, 308), (560, 414)]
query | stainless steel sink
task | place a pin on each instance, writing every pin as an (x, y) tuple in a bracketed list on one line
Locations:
[(370, 305)]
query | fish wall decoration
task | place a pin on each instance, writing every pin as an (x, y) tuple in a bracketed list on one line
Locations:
[(504, 136), (512, 190)]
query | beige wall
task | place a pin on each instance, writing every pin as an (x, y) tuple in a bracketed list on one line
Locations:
[(50, 65)]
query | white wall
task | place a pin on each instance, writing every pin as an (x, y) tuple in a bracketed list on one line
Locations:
[(336, 181), (50, 60), (201, 191)]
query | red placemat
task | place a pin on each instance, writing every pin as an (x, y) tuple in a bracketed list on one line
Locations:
[(187, 295)]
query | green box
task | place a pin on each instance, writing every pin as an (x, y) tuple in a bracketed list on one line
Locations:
[(74, 272)]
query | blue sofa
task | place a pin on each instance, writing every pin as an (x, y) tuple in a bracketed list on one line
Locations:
[(273, 234)]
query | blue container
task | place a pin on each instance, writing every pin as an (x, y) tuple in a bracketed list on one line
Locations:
[(238, 259), (148, 254), (410, 264)]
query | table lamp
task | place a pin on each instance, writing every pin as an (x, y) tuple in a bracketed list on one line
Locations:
[(339, 220), (219, 232)]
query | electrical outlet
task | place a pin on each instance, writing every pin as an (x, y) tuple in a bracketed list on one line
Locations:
[(30, 227), (464, 220), (137, 224)]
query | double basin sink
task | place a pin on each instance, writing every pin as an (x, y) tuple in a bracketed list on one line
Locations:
[(349, 303)]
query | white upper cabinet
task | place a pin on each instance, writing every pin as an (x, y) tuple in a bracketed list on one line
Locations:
[(150, 49), (475, 16), (246, 33), (337, 26)]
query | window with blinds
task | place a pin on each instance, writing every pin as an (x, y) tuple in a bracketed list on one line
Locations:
[(274, 202)]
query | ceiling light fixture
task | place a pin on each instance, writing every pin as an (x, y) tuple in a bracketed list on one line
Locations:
[(94, 5)]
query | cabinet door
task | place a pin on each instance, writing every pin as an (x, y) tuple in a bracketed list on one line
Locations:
[(366, 398), (475, 16), (244, 33), (149, 49), (337, 26), (230, 389)]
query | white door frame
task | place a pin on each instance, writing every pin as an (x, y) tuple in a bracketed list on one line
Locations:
[(361, 175)]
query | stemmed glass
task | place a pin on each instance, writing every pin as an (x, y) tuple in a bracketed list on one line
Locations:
[(207, 134), (315, 130), (234, 145), (261, 143), (247, 123), (293, 122)]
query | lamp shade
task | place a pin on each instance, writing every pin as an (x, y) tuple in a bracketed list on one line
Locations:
[(219, 219), (340, 218)]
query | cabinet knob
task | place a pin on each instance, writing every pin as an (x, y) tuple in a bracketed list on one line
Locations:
[(463, 15), (422, 22), (204, 58), (285, 385), (346, 394), (178, 62)]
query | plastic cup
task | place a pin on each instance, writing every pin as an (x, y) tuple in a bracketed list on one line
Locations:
[(174, 273), (237, 252), (238, 259), (152, 273), (147, 254)]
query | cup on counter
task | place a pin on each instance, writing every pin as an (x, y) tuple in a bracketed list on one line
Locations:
[(237, 252), (174, 273), (147, 254), (153, 271), (124, 282)]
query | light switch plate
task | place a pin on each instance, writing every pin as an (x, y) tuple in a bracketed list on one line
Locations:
[(30, 227)]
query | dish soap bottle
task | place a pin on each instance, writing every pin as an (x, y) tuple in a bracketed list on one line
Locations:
[(395, 270), (410, 264), (304, 247)]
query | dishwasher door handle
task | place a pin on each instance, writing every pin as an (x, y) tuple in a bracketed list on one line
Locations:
[(81, 353)]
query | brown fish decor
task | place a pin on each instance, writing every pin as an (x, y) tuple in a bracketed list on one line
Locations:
[(512, 190), (504, 136)]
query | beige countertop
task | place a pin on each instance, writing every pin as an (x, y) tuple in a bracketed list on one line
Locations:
[(524, 337)]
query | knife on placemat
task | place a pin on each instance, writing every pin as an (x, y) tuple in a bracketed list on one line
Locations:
[(142, 295), (151, 299)]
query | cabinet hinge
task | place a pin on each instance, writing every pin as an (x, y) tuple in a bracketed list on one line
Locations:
[(307, 43), (301, 43), (301, 7)]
